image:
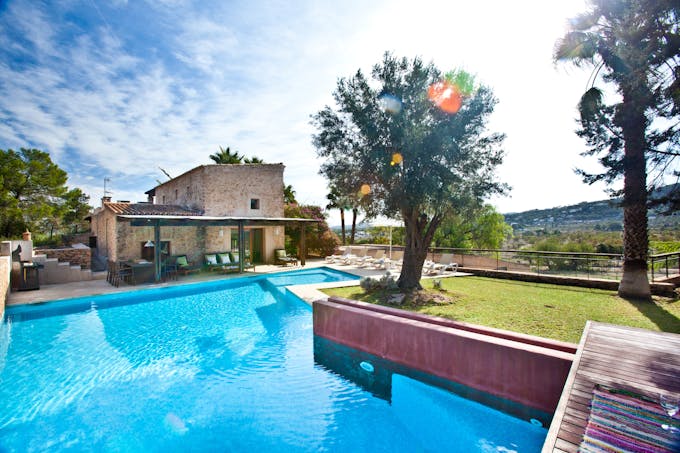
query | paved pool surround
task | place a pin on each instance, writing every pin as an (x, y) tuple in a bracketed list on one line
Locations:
[(521, 368)]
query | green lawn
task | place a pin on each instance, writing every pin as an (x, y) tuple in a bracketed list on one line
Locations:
[(550, 311)]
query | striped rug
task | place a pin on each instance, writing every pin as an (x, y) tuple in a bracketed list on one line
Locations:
[(622, 421)]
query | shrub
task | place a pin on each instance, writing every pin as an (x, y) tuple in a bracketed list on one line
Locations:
[(386, 282)]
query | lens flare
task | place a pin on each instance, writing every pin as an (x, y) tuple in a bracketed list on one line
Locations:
[(365, 189), (446, 96), (390, 103)]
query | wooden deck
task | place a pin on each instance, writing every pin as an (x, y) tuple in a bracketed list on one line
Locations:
[(623, 357)]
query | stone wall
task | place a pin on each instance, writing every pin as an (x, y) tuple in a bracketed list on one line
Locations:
[(218, 238), (227, 190), (193, 241), (485, 262), (78, 254), (185, 240), (659, 289), (184, 190), (5, 267), (103, 226)]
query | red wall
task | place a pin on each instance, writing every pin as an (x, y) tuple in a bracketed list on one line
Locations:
[(484, 359)]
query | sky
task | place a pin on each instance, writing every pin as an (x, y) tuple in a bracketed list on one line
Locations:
[(119, 91)]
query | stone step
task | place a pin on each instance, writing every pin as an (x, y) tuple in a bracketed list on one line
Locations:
[(55, 271)]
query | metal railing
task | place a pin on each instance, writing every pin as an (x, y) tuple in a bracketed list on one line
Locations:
[(664, 265), (582, 265), (573, 264)]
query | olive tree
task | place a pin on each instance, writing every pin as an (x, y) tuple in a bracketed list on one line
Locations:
[(412, 143)]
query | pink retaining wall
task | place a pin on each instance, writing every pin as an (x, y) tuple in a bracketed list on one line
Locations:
[(520, 370)]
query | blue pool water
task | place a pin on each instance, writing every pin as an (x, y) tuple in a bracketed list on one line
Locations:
[(220, 366)]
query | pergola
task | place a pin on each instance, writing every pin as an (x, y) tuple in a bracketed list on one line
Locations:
[(157, 221)]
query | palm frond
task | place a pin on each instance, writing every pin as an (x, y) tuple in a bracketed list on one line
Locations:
[(577, 47), (590, 104)]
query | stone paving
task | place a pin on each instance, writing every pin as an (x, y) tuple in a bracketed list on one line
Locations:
[(101, 286), (308, 293)]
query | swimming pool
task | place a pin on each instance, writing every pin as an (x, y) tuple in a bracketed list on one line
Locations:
[(226, 365)]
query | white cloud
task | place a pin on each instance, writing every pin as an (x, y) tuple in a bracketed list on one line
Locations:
[(249, 76)]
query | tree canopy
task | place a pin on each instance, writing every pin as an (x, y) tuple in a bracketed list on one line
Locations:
[(319, 238), (411, 142), (34, 195), (481, 228), (635, 46), (225, 156)]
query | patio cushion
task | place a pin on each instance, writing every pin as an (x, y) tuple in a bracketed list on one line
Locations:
[(224, 258), (182, 260), (211, 259), (623, 421)]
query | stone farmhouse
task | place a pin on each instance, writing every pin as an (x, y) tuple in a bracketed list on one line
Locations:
[(204, 210)]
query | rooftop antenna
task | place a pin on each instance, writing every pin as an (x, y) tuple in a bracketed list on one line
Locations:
[(106, 192), (166, 173)]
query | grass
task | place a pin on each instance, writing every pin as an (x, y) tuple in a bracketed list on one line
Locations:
[(550, 311)]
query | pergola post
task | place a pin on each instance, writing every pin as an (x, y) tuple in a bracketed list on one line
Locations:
[(303, 245), (157, 249), (241, 245)]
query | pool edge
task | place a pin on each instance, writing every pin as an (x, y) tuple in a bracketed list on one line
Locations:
[(529, 374)]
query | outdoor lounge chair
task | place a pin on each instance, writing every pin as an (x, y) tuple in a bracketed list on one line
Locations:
[(235, 261), (445, 263), (184, 266), (280, 257), (344, 258), (333, 258), (212, 262), (379, 261), (226, 263), (397, 259), (357, 259)]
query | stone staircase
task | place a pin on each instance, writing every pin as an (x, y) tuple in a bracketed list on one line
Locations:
[(54, 271)]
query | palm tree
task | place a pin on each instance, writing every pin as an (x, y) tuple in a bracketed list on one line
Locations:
[(634, 44), (252, 160), (289, 194), (335, 202), (224, 156)]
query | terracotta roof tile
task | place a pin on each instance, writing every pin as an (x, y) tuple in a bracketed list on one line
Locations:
[(150, 209)]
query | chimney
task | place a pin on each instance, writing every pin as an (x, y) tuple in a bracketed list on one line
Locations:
[(106, 200)]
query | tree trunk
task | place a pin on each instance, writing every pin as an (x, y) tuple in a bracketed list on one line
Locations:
[(355, 212), (419, 233), (634, 281), (342, 224)]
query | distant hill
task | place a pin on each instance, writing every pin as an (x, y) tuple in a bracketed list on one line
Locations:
[(600, 215)]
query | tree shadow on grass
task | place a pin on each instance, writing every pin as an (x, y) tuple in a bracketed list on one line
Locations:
[(662, 318)]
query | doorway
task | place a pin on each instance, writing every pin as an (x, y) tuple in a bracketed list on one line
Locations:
[(253, 244), (257, 245)]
